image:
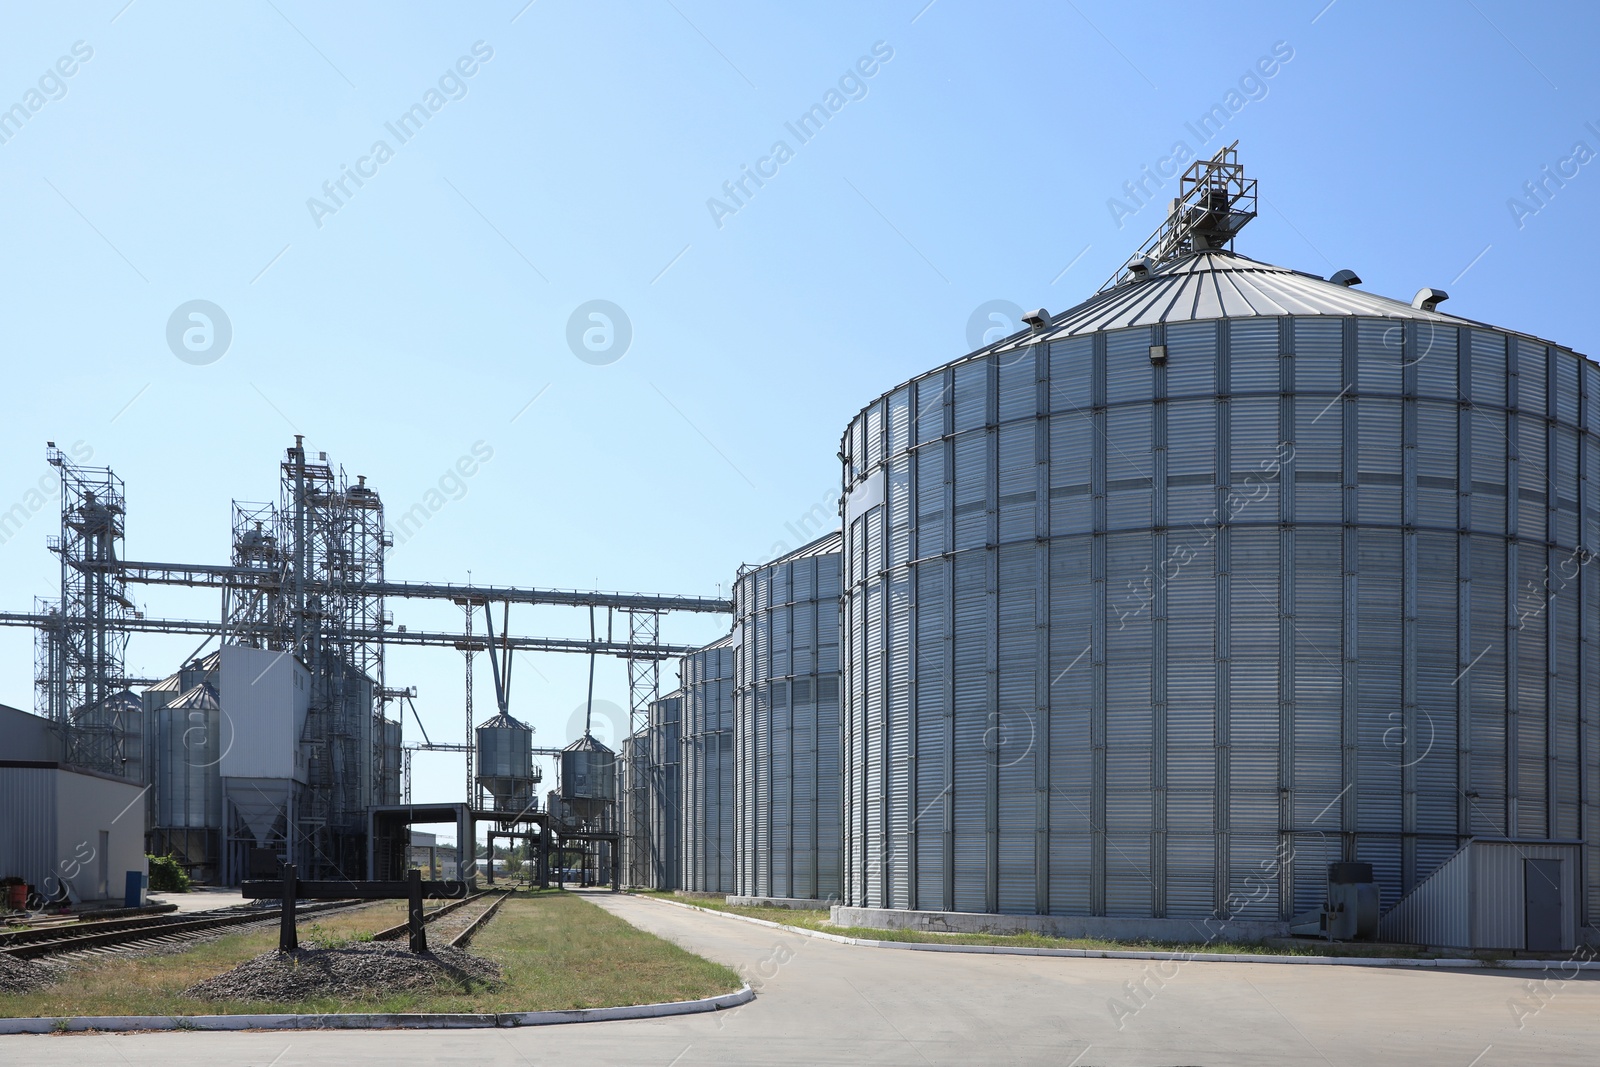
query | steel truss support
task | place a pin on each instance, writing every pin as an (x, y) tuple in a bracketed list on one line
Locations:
[(82, 638), (644, 669)]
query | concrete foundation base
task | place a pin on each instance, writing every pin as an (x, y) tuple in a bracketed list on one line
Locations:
[(794, 903), (1072, 926)]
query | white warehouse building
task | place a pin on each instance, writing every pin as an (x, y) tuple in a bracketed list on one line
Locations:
[(68, 833)]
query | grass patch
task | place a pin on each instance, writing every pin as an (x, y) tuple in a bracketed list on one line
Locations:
[(819, 919), (557, 950)]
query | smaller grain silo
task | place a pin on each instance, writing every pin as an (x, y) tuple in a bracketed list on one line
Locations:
[(788, 793), (588, 777), (188, 746), (665, 792), (707, 768), (505, 763), (634, 780)]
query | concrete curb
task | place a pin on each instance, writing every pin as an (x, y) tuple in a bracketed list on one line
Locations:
[(1128, 954), (113, 1023)]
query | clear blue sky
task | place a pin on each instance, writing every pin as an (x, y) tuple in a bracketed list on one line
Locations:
[(420, 313)]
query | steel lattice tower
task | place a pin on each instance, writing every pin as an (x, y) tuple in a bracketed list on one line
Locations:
[(80, 654)]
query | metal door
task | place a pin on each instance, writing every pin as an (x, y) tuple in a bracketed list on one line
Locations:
[(1541, 896)]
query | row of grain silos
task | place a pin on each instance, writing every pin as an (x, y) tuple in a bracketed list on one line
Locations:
[(741, 793), (1159, 616)]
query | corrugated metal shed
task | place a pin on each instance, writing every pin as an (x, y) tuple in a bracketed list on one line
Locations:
[(65, 830), (1479, 898)]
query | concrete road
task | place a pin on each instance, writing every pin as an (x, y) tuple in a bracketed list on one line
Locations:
[(201, 898), (823, 1003)]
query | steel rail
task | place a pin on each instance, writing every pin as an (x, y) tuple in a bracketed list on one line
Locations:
[(460, 940), (393, 933)]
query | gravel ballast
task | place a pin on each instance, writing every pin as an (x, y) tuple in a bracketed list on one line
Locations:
[(357, 972), (25, 976)]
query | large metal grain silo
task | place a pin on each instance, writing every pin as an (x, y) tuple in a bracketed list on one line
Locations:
[(786, 714), (1230, 572), (706, 769)]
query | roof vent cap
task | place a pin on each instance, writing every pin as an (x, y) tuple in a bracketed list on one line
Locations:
[(1428, 299), (1037, 318), (1136, 269), (1346, 278)]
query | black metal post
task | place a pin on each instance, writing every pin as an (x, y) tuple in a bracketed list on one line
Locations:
[(544, 858), (491, 857), (419, 934), (288, 936)]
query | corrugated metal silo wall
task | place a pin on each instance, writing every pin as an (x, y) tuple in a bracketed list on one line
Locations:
[(707, 763), (665, 794), (635, 807), (185, 752), (1120, 637), (787, 729)]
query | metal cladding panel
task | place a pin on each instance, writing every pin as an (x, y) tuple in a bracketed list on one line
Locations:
[(1532, 361), (1380, 357), (1318, 356), (1019, 385), (1192, 359), (1435, 355), (1488, 377), (1129, 372), (28, 847), (971, 395), (1070, 373), (1128, 467), (1280, 612), (263, 696), (1253, 357)]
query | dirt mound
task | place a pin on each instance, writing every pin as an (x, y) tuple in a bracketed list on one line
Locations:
[(350, 973), (25, 976)]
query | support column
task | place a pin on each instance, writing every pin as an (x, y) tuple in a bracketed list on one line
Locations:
[(288, 936), (414, 916)]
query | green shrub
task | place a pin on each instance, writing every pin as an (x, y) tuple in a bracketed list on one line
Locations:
[(167, 876)]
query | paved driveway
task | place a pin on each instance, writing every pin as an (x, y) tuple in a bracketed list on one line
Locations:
[(823, 1003)]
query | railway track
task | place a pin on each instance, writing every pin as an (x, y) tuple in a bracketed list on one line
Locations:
[(148, 932), (458, 937), (119, 935), (401, 930)]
